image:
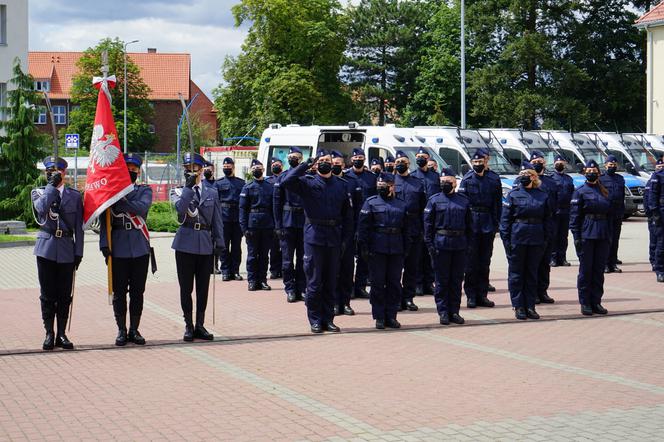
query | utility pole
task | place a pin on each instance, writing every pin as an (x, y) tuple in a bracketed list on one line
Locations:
[(463, 65), (124, 126)]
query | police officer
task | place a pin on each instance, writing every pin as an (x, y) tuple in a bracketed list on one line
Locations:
[(590, 224), (344, 289), (328, 227), (376, 166), (289, 225), (257, 223), (655, 205), (209, 180), (58, 210), (389, 163), (615, 184), (200, 234), (276, 264), (524, 231), (410, 189), (130, 250), (550, 186), (447, 222), (383, 236), (367, 181), (229, 188), (485, 197), (431, 183), (565, 185), (486, 153), (432, 165)]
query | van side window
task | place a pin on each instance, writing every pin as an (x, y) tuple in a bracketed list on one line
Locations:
[(281, 152)]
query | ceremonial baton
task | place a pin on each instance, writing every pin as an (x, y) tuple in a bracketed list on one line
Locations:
[(71, 305), (214, 288)]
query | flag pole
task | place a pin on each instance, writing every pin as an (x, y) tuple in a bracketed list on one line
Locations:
[(109, 266), (71, 304)]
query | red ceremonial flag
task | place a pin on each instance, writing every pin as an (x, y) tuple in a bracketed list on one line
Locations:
[(107, 179)]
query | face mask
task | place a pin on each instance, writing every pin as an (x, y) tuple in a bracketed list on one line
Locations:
[(611, 170), (478, 168), (257, 173), (446, 187), (208, 174), (401, 168), (324, 168), (133, 176), (375, 171), (276, 169), (358, 164), (384, 192), (591, 177), (525, 180), (539, 167), (228, 172), (560, 167), (293, 162), (389, 169), (421, 162), (336, 169)]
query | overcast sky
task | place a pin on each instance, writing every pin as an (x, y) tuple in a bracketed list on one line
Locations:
[(203, 28)]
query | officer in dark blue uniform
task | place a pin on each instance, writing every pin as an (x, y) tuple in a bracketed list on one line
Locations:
[(58, 210), (590, 224), (328, 227), (201, 233), (383, 236), (550, 186), (389, 163), (257, 223), (615, 184), (289, 225), (523, 229), (485, 195), (486, 153), (430, 181), (344, 290), (565, 190), (229, 188), (130, 250), (276, 264), (410, 189), (367, 181), (209, 180), (447, 223), (376, 166), (655, 206)]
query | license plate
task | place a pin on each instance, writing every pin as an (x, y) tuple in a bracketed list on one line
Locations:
[(639, 206)]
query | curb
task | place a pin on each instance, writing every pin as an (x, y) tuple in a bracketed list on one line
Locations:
[(5, 245)]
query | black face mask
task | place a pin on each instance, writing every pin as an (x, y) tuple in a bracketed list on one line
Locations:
[(384, 192), (401, 168), (525, 180), (133, 176), (293, 162), (478, 168), (446, 187), (324, 167), (591, 177), (257, 173), (559, 167), (611, 170), (539, 167), (336, 169), (358, 164), (208, 174), (389, 169), (276, 169), (228, 172), (375, 171), (421, 162)]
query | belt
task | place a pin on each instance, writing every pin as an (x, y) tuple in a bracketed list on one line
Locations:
[(322, 222), (528, 220), (388, 230), (292, 208), (229, 205), (596, 216), (480, 209), (258, 211), (446, 232), (196, 226), (125, 226), (58, 233)]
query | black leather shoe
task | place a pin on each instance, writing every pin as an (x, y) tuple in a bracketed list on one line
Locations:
[(49, 341), (617, 269), (380, 324), (361, 293), (490, 288), (217, 271), (237, 277), (316, 328), (660, 277), (348, 310), (337, 311), (63, 342), (586, 310), (253, 286), (565, 263), (135, 336), (121, 339), (275, 275), (485, 302), (537, 300), (427, 290), (597, 308), (292, 297), (618, 261), (332, 328), (546, 299), (471, 303), (608, 269), (553, 263), (201, 333), (419, 291), (456, 319), (520, 314), (188, 333), (532, 313), (410, 306), (226, 277), (264, 286), (445, 319), (392, 323)]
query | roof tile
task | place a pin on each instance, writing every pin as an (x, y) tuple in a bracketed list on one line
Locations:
[(656, 14)]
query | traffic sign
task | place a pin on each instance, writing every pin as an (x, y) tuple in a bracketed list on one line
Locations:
[(71, 141)]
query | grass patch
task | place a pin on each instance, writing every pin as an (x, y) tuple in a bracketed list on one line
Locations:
[(15, 238), (162, 217)]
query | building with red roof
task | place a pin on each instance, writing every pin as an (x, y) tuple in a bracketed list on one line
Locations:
[(653, 23)]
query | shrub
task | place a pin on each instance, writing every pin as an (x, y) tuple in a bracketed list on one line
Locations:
[(162, 217)]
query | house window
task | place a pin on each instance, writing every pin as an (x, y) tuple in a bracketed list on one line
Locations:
[(40, 115), (151, 128), (3, 24), (42, 85), (3, 100), (60, 114)]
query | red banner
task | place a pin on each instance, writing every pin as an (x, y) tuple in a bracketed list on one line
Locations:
[(107, 178)]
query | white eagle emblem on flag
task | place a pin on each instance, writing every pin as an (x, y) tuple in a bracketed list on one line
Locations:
[(102, 152)]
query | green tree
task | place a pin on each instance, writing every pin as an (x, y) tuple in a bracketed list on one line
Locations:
[(84, 95), (22, 147), (288, 70), (200, 131)]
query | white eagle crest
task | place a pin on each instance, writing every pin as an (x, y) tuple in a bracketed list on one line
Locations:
[(102, 152)]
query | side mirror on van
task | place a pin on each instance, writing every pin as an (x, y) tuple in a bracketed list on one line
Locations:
[(630, 168), (465, 168)]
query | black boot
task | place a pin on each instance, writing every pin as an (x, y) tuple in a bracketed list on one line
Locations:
[(188, 329), (49, 340), (199, 331), (121, 339), (660, 277), (61, 339), (546, 299), (134, 335), (520, 313)]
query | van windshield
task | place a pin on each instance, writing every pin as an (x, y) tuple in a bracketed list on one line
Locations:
[(501, 165), (642, 157), (281, 152)]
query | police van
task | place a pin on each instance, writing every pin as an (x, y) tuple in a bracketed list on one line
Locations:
[(630, 153)]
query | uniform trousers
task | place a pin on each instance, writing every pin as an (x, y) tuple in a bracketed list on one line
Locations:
[(192, 267), (480, 249), (560, 241), (522, 274), (412, 267), (55, 280), (292, 250), (321, 267), (385, 294), (448, 271), (616, 228), (593, 255), (259, 242), (129, 276), (232, 256), (276, 263), (344, 289)]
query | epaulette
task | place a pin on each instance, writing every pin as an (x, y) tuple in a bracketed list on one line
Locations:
[(177, 191), (372, 197), (344, 179), (310, 176)]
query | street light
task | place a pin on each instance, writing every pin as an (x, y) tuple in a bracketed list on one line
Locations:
[(463, 65), (124, 129)]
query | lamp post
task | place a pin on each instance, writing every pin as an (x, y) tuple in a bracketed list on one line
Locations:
[(463, 65), (124, 128)]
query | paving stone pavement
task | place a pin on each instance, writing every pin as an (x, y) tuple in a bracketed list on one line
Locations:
[(265, 377)]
